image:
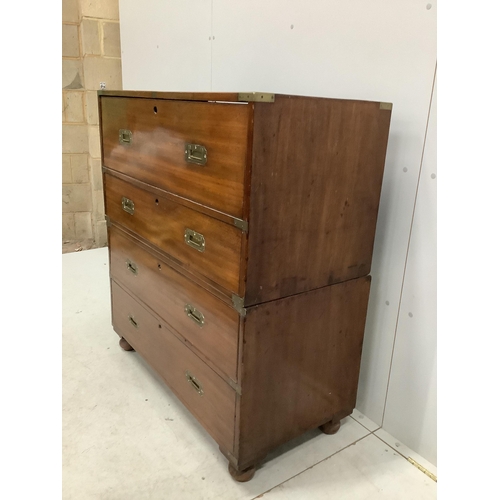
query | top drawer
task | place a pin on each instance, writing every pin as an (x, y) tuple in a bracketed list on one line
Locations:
[(147, 139)]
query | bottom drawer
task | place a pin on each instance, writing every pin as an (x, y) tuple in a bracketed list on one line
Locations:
[(206, 395)]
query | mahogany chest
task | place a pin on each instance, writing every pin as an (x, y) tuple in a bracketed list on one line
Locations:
[(240, 231)]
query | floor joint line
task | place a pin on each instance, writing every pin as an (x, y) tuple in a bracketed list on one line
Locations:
[(311, 466)]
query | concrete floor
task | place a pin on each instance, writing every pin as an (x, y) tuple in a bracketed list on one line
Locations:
[(126, 436)]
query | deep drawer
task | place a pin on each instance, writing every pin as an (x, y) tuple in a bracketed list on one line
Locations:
[(205, 394), (147, 139), (204, 320), (198, 242)]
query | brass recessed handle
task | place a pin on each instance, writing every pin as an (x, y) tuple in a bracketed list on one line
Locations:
[(125, 136), (195, 153), (128, 205), (194, 315), (132, 267), (195, 383), (194, 240), (133, 322)]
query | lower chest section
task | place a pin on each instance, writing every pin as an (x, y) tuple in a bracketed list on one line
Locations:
[(254, 378)]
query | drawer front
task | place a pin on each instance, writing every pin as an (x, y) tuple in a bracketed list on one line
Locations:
[(168, 226), (204, 320), (152, 147), (203, 392)]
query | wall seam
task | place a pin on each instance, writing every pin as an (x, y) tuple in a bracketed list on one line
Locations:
[(408, 247)]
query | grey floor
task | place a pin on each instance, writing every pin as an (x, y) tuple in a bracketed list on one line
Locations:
[(126, 436)]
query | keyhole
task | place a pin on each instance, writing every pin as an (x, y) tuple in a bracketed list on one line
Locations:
[(155, 109), (159, 267), (156, 201)]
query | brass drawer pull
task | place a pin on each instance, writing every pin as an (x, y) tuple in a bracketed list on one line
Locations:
[(125, 136), (195, 153), (192, 380), (132, 267), (133, 322), (194, 315), (128, 205), (194, 239)]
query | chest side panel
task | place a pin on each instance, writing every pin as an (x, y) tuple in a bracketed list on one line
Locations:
[(300, 363), (317, 172)]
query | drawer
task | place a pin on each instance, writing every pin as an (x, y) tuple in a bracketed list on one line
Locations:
[(212, 327), (155, 152), (203, 392), (214, 249)]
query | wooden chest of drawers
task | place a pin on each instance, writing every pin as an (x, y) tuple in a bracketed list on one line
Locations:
[(241, 231)]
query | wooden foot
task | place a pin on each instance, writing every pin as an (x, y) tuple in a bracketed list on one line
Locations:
[(331, 427), (242, 476), (125, 345)]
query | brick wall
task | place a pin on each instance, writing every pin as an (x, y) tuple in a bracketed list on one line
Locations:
[(90, 55)]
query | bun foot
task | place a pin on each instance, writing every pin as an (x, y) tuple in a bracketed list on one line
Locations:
[(331, 427), (125, 345), (241, 476)]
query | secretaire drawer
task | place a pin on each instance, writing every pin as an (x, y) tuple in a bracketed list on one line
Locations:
[(197, 150), (204, 320), (200, 243), (203, 392)]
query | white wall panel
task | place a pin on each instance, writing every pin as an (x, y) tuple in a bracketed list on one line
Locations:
[(165, 44), (411, 409), (382, 50), (379, 50)]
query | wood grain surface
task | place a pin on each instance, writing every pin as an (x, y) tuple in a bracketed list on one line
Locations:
[(167, 292), (163, 223), (171, 359), (316, 178), (156, 152), (301, 358), (182, 96), (306, 174)]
